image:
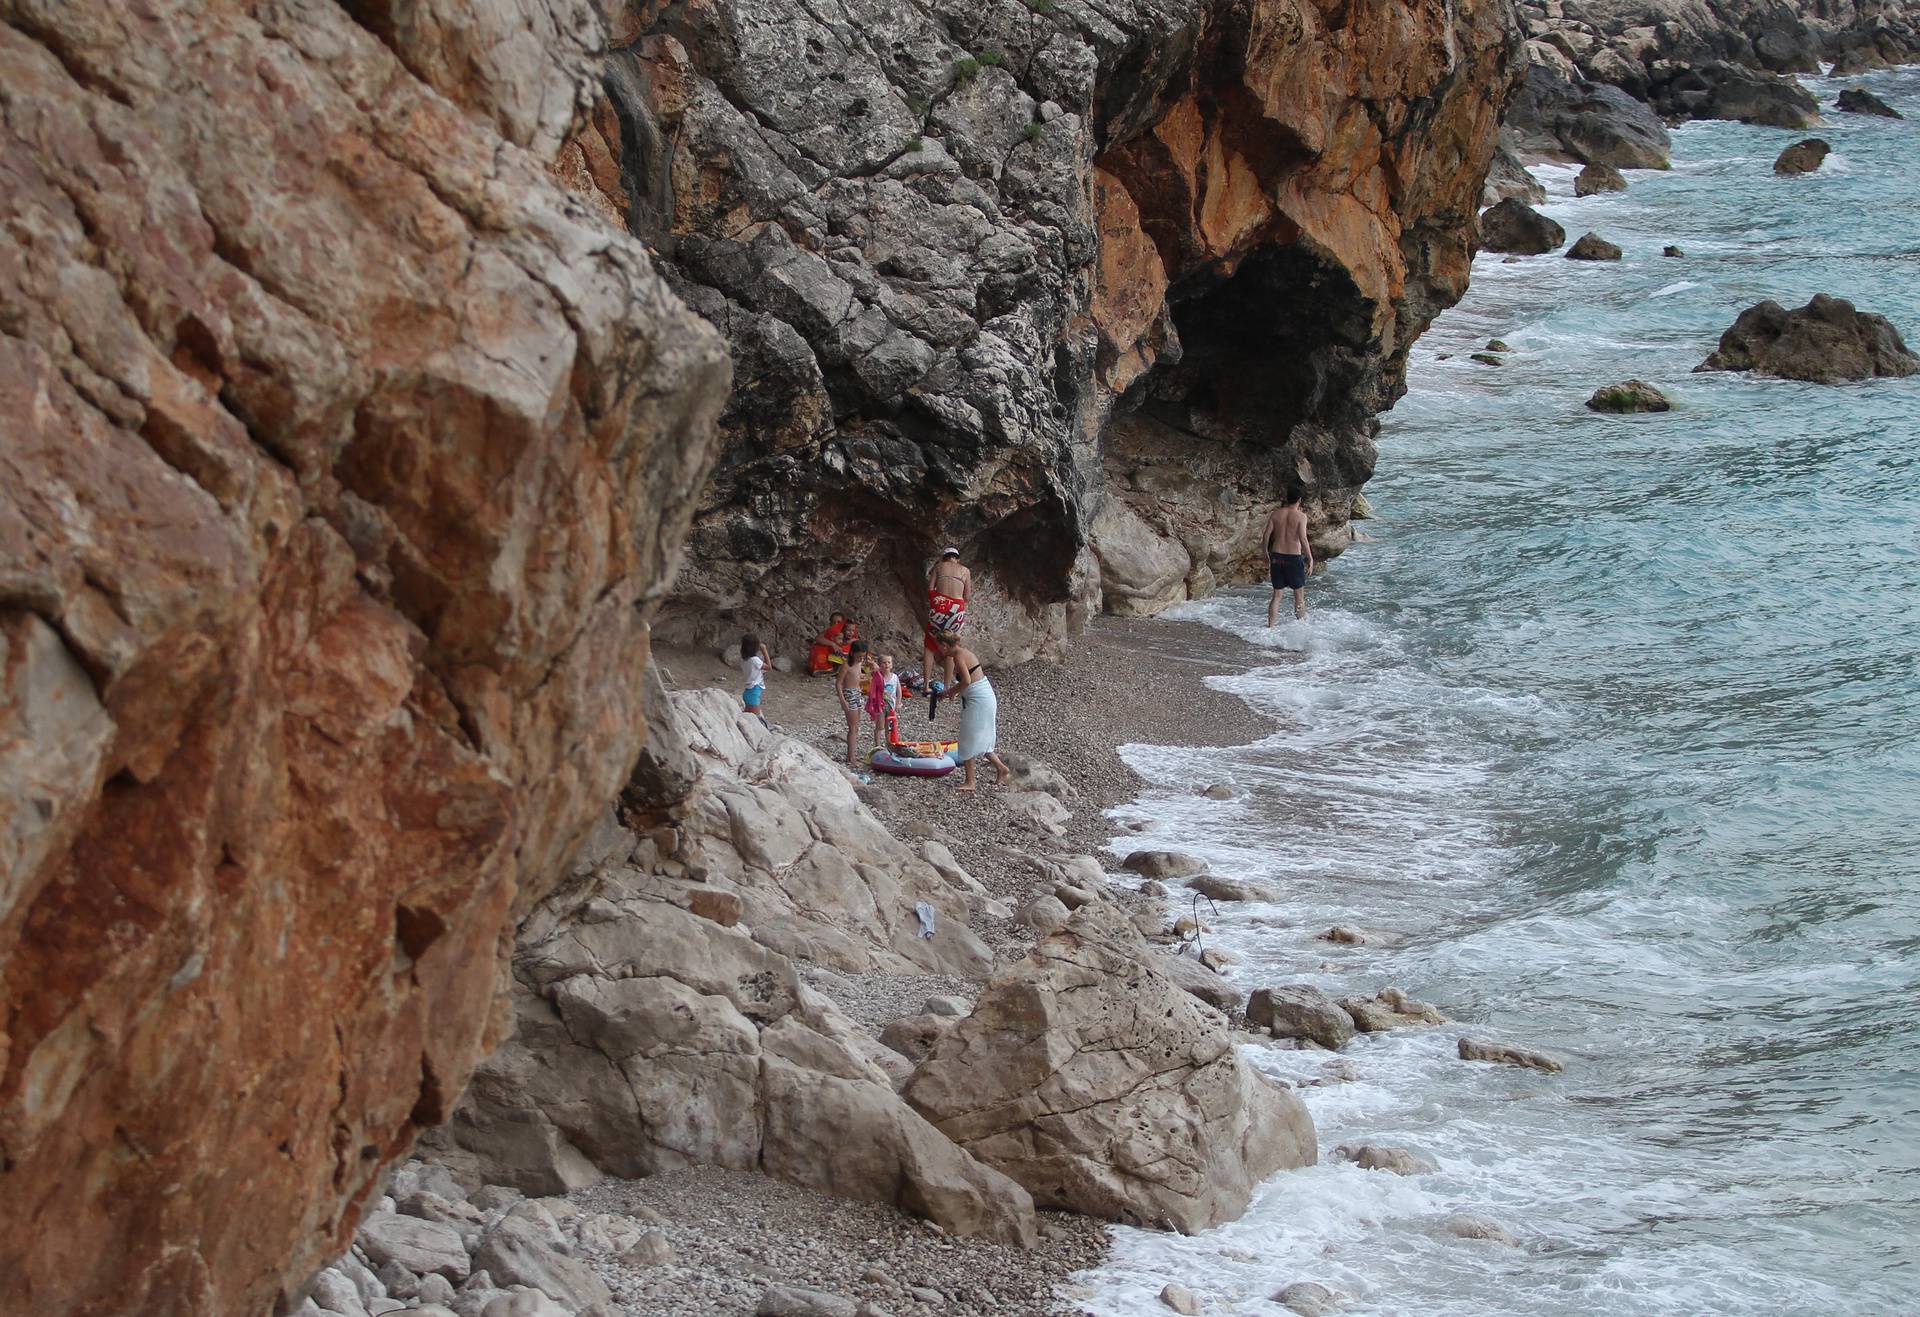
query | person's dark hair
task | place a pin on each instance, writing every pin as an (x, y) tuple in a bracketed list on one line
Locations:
[(749, 646), (857, 647), (838, 616), (1289, 496)]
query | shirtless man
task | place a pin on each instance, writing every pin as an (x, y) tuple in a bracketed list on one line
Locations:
[(949, 587), (1289, 555)]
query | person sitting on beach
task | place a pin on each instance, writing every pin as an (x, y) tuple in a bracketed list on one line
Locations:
[(949, 587), (979, 713), (852, 699), (830, 646), (754, 662), (883, 703), (1289, 554)]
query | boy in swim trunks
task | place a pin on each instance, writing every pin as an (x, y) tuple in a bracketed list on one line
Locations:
[(846, 684), (949, 586), (1289, 554)]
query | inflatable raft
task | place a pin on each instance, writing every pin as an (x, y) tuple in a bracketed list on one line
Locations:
[(916, 758)]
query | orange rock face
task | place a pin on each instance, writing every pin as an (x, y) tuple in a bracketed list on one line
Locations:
[(342, 460)]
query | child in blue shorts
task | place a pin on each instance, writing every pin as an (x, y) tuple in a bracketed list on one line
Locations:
[(754, 663)]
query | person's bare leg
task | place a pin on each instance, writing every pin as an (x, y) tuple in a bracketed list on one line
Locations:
[(1299, 601), (1000, 770), (966, 783), (853, 737), (1273, 609)]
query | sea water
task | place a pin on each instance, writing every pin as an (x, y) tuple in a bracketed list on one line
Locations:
[(1615, 727)]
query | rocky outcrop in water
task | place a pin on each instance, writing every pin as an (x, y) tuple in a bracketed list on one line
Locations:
[(1514, 226), (1628, 398), (1595, 179), (1858, 100), (1825, 341), (1717, 59), (1557, 114), (1089, 1077), (1076, 289), (1803, 157), (346, 455), (1593, 247)]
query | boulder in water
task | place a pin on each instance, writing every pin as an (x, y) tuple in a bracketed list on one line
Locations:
[(1466, 1225), (1802, 157), (1593, 247), (1486, 359), (1596, 178), (1308, 1299), (1823, 342), (1300, 1011), (1508, 177), (1719, 90), (1384, 1157), (1163, 864), (1630, 396), (1858, 100), (1514, 226), (1559, 113), (1671, 250), (1474, 1049)]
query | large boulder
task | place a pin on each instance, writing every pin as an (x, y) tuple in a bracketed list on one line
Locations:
[(1515, 227), (1596, 178), (1720, 90), (1593, 247), (346, 456), (1087, 1076), (1802, 157), (1300, 1010), (1858, 100), (1824, 342), (1507, 177), (1629, 396), (1572, 118)]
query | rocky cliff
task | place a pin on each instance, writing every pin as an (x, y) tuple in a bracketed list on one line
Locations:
[(1075, 287), (345, 454)]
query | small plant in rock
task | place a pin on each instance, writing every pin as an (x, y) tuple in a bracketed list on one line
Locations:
[(991, 57), (965, 69), (915, 144), (1042, 7), (916, 104), (1034, 130)]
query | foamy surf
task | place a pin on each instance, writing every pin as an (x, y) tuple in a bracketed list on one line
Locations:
[(1613, 771)]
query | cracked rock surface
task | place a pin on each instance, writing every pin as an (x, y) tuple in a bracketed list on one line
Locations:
[(1087, 1076), (345, 457)]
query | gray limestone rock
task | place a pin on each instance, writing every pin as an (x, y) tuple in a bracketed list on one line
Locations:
[(1629, 396), (1824, 342), (799, 1301), (1474, 1049), (1803, 157), (1467, 1225), (1382, 1157), (1231, 889), (1179, 1298), (516, 1251), (1308, 1299), (1163, 864), (1300, 1011), (1593, 247), (422, 1247), (1089, 1077), (1514, 226)]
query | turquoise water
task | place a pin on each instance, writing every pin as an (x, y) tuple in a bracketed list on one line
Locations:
[(1614, 725)]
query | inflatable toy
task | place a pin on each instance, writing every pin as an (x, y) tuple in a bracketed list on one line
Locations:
[(916, 758)]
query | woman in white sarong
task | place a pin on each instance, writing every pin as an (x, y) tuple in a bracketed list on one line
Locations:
[(979, 712)]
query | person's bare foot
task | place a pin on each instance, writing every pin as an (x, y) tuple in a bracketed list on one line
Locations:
[(1001, 775), (966, 786)]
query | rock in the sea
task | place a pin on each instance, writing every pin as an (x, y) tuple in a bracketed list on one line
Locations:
[(1802, 157), (1163, 864), (1384, 1157), (1823, 342), (1201, 981), (1467, 1225), (1231, 889), (1858, 100), (1514, 226), (346, 455), (1217, 960), (1300, 1011), (1507, 177), (1389, 1009), (1308, 1298), (1089, 1077), (1671, 250), (1597, 178), (1179, 1298), (1474, 1049), (1497, 345), (1630, 396), (1593, 247), (1486, 359), (1218, 791), (1718, 89), (1566, 116)]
